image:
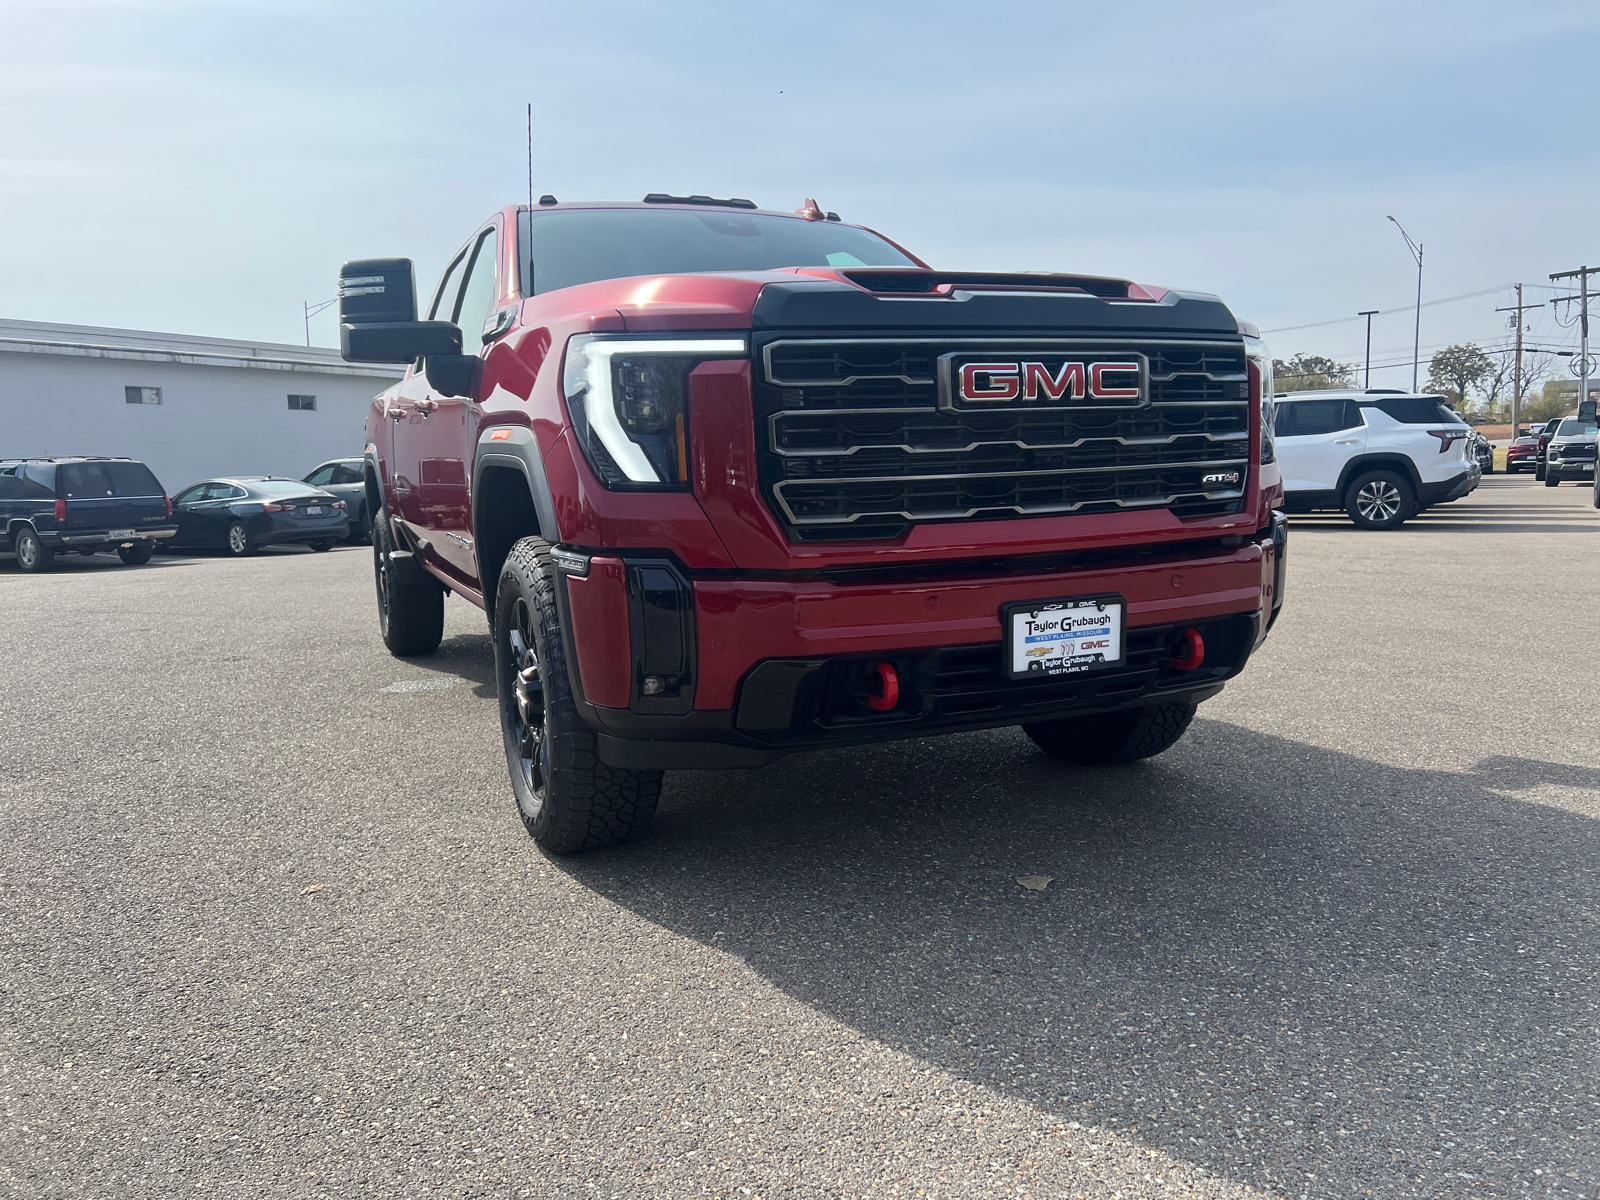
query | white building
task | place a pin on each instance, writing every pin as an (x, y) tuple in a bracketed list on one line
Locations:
[(190, 407)]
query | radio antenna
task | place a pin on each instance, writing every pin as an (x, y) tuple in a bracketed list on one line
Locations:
[(530, 198)]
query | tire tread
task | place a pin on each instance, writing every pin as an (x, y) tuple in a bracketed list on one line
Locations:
[(588, 803)]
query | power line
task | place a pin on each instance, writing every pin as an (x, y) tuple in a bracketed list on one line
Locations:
[(1387, 311)]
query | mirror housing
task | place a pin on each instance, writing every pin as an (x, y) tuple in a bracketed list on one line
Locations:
[(452, 374), (378, 315), (1586, 409)]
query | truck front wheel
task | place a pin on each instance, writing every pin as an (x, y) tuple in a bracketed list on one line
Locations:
[(569, 799), (410, 601), (1111, 739)]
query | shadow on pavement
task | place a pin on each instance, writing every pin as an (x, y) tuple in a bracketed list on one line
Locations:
[(1273, 960)]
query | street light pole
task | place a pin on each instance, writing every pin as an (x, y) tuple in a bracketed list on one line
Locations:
[(1369, 314), (1416, 337)]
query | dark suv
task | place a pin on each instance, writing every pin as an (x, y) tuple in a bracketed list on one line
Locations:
[(52, 505)]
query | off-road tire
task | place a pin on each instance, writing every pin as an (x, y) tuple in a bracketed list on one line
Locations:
[(410, 601), (321, 545), (137, 554), (33, 556), (1379, 499), (1114, 738), (238, 541), (568, 798)]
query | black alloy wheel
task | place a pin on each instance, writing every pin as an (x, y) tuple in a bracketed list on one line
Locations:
[(568, 797), (1379, 500), (410, 601), (33, 556), (240, 544), (136, 554)]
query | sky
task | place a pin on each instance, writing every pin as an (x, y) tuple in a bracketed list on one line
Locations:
[(205, 167)]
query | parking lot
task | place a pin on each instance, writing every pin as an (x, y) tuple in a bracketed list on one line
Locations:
[(271, 926)]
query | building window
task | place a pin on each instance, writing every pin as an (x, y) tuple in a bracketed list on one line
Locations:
[(141, 395), (303, 403)]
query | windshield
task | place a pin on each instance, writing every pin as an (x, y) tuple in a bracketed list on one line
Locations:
[(1573, 427), (585, 244)]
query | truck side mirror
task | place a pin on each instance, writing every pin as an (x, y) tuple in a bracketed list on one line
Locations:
[(1586, 409), (378, 315)]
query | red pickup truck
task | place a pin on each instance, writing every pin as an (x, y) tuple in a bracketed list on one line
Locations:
[(732, 483)]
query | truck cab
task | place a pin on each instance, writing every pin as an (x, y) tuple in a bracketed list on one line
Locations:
[(732, 483)]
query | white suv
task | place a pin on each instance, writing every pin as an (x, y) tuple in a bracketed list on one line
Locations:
[(1381, 456)]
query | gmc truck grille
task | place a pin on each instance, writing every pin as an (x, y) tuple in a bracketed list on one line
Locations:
[(861, 440)]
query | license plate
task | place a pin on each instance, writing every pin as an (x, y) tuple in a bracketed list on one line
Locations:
[(122, 533), (314, 511), (1063, 636)]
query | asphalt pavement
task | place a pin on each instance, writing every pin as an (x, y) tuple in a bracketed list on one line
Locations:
[(270, 926)]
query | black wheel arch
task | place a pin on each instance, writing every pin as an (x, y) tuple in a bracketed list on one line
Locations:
[(511, 500), (1369, 462)]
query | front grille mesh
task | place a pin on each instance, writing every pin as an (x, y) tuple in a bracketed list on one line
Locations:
[(856, 445)]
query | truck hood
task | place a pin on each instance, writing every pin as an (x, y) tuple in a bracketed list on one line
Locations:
[(890, 298)]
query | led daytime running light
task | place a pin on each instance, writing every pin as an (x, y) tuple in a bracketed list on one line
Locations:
[(599, 403)]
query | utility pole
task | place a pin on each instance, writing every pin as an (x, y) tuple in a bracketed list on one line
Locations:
[(1416, 339), (1369, 314), (1582, 275), (1516, 369), (312, 310)]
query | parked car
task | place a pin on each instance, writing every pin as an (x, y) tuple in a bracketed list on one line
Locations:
[(1544, 435), (1483, 451), (1383, 457), (1522, 455), (343, 478), (1570, 454), (53, 505), (246, 512)]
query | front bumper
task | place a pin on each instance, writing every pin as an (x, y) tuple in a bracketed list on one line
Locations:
[(758, 667)]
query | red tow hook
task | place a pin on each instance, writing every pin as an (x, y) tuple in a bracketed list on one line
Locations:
[(888, 693), (1192, 651)]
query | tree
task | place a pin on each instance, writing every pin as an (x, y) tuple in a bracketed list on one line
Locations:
[(1307, 372), (1555, 401), (1455, 369)]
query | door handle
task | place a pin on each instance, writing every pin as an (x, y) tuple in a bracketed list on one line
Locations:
[(1347, 442), (425, 407), (394, 412)]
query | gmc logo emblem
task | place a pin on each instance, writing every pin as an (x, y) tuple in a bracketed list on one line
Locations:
[(1098, 645), (1047, 380)]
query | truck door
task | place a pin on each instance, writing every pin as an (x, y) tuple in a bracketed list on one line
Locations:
[(1316, 438), (434, 439)]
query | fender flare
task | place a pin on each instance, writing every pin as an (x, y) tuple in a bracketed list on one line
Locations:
[(1368, 462), (514, 446)]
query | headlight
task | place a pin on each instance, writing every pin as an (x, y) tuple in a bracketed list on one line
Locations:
[(627, 398), (1260, 364)]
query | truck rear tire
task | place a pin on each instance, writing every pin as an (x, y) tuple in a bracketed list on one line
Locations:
[(33, 556), (568, 798), (1111, 739), (410, 601), (1379, 500), (137, 554)]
